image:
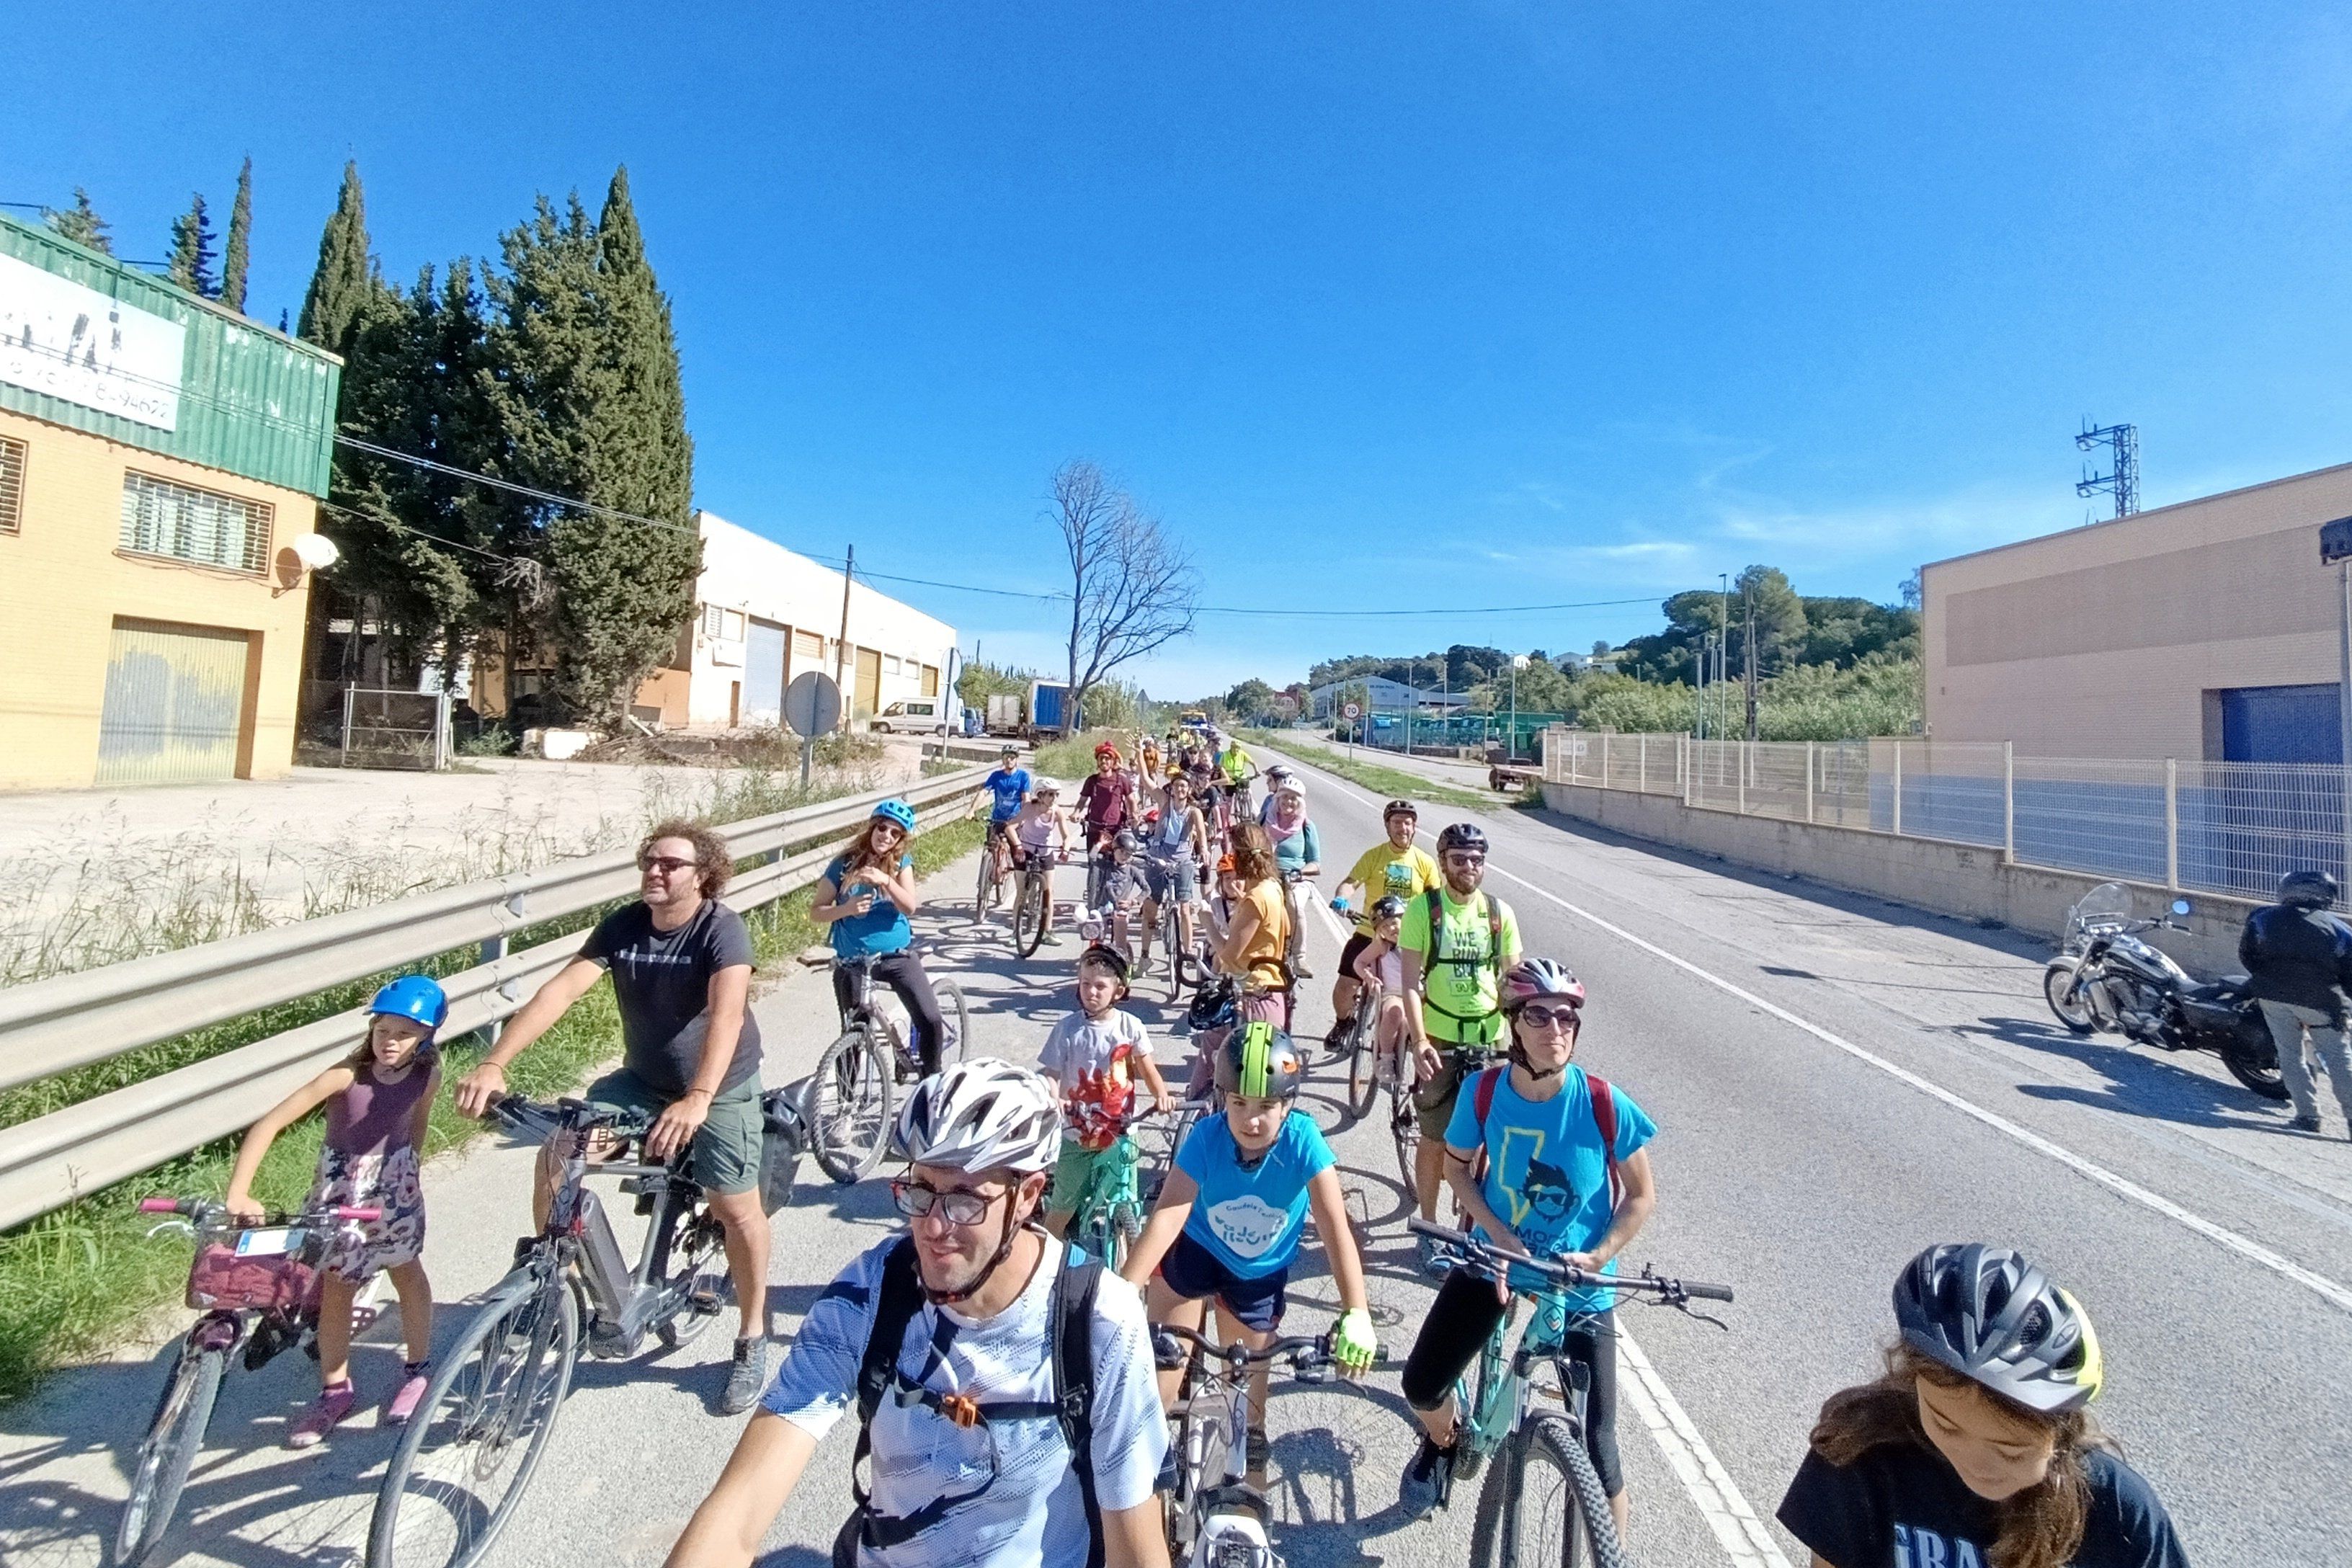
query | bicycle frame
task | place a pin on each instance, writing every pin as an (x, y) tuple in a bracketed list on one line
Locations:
[(1505, 1385), (622, 1304)]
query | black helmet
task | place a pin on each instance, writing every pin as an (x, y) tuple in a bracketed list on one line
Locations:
[(1109, 957), (1259, 1062), (1463, 836), (2307, 890), (1399, 808), (1212, 1005), (1388, 907), (1988, 1314)]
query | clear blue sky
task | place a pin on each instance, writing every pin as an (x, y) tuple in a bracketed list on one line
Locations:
[(1380, 306)]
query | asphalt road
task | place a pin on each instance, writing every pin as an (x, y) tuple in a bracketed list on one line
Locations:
[(1837, 1081)]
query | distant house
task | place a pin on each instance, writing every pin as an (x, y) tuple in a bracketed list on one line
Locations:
[(1386, 695)]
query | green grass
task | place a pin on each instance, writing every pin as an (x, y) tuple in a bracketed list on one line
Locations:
[(1387, 782), (76, 1282)]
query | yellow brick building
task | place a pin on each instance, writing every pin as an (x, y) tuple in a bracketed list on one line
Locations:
[(160, 461)]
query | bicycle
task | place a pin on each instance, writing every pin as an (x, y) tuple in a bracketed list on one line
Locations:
[(850, 1094), (1216, 1516), (983, 897), (258, 1285), (1527, 1517), (1033, 901), (1110, 1211), (469, 1454)]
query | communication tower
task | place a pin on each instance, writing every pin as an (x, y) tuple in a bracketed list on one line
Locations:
[(2122, 480)]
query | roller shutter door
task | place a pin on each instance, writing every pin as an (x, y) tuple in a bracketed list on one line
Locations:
[(763, 674), (174, 704)]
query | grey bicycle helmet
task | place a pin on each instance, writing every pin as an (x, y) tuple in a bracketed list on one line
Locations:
[(1388, 907), (1989, 1315), (982, 1115), (1260, 1061), (2307, 890), (1463, 836)]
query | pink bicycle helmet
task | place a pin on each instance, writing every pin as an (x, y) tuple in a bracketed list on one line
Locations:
[(1530, 978)]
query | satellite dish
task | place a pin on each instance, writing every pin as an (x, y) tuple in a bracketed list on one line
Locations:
[(302, 554)]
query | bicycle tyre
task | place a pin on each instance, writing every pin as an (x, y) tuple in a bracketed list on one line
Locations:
[(982, 883), (850, 1097), (1542, 1504), (957, 1012), (173, 1438), (470, 1414), (1364, 1063), (1404, 1129), (1029, 912), (698, 1272)]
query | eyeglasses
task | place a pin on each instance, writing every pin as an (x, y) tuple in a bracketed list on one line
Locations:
[(1466, 858), (663, 865), (1544, 1017), (957, 1206)]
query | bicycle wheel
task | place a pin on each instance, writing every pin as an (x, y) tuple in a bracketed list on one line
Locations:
[(1029, 911), (849, 1101), (983, 883), (467, 1454), (696, 1275), (1542, 1504), (957, 1012), (161, 1473), (1363, 1062), (1404, 1128)]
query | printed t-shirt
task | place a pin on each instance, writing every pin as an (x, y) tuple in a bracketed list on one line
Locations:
[(1383, 870), (1031, 1514), (1095, 1060), (1261, 959), (1250, 1217), (1547, 1174), (1005, 791), (661, 981), (1898, 1506), (1461, 999), (1104, 799), (882, 928)]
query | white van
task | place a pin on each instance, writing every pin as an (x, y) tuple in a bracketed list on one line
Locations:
[(916, 716)]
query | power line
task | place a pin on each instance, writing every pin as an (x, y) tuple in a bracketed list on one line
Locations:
[(1254, 610), (372, 449)]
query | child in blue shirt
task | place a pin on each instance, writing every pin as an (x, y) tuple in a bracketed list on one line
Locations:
[(1232, 1211)]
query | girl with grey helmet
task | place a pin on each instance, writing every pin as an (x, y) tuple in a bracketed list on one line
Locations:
[(1976, 1446)]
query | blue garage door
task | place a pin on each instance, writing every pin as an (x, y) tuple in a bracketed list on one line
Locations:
[(763, 674), (2281, 724)]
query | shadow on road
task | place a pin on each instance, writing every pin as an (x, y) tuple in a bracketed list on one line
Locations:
[(2140, 1081)]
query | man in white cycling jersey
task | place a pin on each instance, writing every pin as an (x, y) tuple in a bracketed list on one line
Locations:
[(1012, 1418)]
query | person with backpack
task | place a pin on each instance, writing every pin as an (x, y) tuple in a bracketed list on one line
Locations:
[(1456, 941), (2299, 959), (1007, 1411), (1547, 1162)]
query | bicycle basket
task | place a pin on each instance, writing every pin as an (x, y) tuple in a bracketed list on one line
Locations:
[(258, 1270)]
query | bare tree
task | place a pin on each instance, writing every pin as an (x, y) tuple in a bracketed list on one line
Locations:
[(1131, 589)]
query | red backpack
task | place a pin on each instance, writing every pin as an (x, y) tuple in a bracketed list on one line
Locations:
[(1604, 1117)]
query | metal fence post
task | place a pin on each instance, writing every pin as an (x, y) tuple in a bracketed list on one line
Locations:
[(1683, 765), (349, 693), (2008, 803), (1604, 759), (1642, 766), (1739, 765), (492, 950), (1899, 789), (2172, 823), (1809, 781)]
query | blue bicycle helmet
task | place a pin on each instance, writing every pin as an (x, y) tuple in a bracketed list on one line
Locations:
[(896, 811), (414, 997)]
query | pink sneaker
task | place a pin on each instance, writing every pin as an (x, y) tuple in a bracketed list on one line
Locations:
[(331, 1406), (414, 1377)]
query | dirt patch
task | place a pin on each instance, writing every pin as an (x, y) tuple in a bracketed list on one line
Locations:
[(733, 749)]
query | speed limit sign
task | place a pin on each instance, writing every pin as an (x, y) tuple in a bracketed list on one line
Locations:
[(1351, 711)]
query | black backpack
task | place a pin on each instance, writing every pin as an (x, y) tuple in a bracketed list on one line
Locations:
[(1069, 1316)]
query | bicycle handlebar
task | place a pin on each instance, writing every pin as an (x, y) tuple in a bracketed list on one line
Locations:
[(1298, 1349), (196, 1208), (1485, 1255), (572, 1115)]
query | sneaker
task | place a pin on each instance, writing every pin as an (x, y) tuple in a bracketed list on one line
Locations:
[(1302, 970), (332, 1404), (1259, 1451), (1428, 1480), (1432, 1260), (1335, 1039), (414, 1377), (747, 1379), (2305, 1123)]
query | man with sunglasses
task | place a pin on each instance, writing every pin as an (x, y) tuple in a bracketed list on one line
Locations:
[(1454, 942), (1009, 1413), (681, 964)]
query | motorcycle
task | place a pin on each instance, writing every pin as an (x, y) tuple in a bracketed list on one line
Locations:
[(2106, 980)]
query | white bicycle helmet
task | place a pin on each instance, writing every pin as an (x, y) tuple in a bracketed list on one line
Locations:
[(982, 1115), (1043, 785)]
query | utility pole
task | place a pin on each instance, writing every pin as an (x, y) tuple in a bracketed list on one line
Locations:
[(1747, 638), (1511, 743), (2123, 480), (841, 644)]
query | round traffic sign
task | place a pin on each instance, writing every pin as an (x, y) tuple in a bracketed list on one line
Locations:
[(813, 705), (1351, 711)]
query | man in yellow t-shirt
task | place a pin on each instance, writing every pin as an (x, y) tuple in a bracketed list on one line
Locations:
[(1396, 866), (1452, 981)]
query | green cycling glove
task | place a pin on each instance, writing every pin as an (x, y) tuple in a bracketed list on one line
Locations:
[(1352, 1341)]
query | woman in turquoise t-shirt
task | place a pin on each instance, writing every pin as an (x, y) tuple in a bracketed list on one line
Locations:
[(1233, 1208), (866, 896)]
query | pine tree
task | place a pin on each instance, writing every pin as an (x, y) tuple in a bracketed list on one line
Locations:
[(81, 224), (191, 250), (234, 251), (345, 277)]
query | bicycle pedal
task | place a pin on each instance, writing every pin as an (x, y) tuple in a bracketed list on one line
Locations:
[(1468, 1463)]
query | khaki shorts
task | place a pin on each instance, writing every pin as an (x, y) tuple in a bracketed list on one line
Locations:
[(728, 1147), (1435, 1099)]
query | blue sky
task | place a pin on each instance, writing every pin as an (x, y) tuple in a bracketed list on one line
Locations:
[(1379, 306)]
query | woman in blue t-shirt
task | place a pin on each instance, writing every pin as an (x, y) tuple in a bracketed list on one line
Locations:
[(866, 896), (1550, 1188), (1231, 1212)]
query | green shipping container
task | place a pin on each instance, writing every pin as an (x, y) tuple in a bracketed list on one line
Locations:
[(244, 399)]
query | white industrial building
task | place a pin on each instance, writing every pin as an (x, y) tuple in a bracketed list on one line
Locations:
[(765, 614)]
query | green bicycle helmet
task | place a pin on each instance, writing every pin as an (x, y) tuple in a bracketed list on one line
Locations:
[(1259, 1062)]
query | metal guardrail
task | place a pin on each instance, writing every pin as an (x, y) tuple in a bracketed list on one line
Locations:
[(54, 1026)]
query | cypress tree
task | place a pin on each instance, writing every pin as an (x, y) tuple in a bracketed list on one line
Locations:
[(345, 276), (234, 251), (81, 224), (191, 250)]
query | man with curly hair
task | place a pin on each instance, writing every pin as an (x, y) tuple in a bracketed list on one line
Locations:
[(681, 966)]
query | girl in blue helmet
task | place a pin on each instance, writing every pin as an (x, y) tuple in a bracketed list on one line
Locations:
[(867, 895), (378, 1100)]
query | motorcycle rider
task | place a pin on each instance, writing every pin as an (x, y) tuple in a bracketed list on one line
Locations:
[(2299, 959)]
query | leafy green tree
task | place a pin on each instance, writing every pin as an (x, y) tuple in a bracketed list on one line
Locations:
[(191, 266), (236, 251), (1250, 701), (345, 280), (980, 682), (1761, 595), (81, 224)]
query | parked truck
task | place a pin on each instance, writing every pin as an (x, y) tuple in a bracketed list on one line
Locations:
[(1027, 715)]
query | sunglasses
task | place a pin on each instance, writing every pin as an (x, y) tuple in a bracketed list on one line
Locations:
[(1544, 1017), (663, 865), (957, 1206), (1465, 858)]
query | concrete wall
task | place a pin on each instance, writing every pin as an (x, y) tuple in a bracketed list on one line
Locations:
[(2104, 641), (1956, 879), (63, 581)]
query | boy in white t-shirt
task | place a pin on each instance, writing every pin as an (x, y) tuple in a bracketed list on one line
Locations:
[(1099, 1054)]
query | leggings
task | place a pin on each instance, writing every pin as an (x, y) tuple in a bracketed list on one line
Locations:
[(902, 971), (1458, 1325)]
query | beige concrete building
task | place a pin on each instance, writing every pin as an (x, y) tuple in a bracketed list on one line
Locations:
[(2207, 629)]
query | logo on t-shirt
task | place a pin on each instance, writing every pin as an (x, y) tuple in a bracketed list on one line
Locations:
[(1399, 877), (1916, 1547), (1248, 1225)]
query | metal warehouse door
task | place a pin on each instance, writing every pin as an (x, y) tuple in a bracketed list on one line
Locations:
[(174, 703), (763, 674), (870, 680)]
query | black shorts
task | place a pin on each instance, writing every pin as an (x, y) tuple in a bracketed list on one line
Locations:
[(1193, 1272), (1353, 951)]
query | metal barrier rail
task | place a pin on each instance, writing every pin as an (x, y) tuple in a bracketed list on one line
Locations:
[(53, 1025)]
